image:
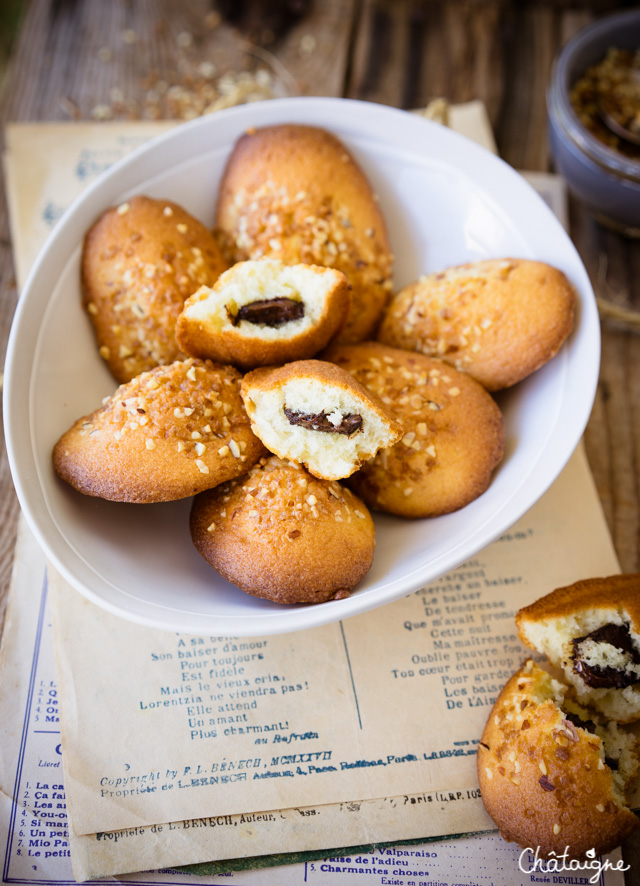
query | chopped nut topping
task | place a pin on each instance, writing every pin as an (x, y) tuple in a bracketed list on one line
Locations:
[(570, 731), (545, 784)]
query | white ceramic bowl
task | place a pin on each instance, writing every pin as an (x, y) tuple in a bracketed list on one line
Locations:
[(446, 201)]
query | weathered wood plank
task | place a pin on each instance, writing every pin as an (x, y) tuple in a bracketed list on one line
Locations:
[(77, 56), (378, 69), (521, 125), (316, 49), (407, 53)]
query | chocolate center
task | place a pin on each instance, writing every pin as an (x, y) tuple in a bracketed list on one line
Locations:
[(272, 312), (348, 425), (597, 676)]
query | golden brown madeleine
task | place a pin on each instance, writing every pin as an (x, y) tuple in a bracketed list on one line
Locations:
[(316, 414), (167, 434), (263, 313), (295, 193), (591, 630), (453, 432), (497, 320), (550, 776), (140, 261), (285, 535)]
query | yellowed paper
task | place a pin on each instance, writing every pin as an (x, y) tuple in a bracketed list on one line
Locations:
[(49, 165), (191, 747), (34, 826), (373, 713), (411, 684), (371, 707), (469, 119), (302, 829)]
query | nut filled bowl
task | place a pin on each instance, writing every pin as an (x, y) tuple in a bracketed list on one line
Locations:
[(601, 168), (446, 201)]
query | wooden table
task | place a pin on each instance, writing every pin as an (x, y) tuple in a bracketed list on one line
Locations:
[(96, 59)]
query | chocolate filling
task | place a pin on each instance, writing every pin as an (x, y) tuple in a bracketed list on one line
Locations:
[(349, 424), (606, 678), (272, 312)]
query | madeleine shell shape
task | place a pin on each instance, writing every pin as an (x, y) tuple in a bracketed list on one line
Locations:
[(282, 534), (453, 432), (296, 193), (140, 261), (498, 320), (263, 313), (167, 434)]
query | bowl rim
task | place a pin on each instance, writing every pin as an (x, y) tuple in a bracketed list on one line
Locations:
[(559, 105), (347, 113)]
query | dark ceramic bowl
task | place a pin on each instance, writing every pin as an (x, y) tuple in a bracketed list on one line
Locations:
[(606, 181)]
